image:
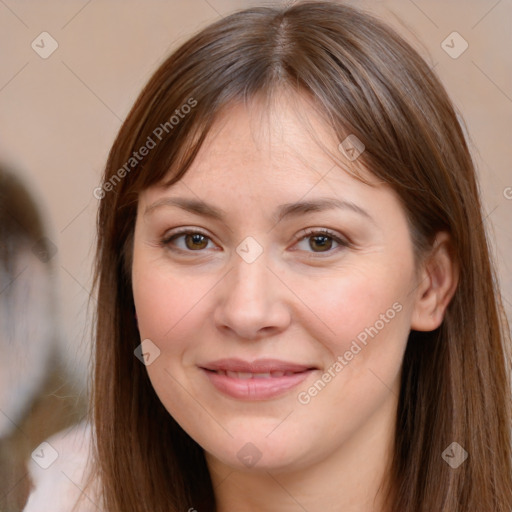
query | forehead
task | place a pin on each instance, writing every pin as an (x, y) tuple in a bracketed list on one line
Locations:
[(270, 147)]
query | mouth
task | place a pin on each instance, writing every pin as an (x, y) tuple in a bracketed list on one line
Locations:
[(258, 380), (249, 375)]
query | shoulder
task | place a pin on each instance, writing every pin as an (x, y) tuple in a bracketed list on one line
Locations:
[(58, 470)]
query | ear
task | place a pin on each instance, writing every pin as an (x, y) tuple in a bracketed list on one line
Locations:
[(436, 286)]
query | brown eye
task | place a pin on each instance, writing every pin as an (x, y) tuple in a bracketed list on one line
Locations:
[(195, 241), (322, 242)]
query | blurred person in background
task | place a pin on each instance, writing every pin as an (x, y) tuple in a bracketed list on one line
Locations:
[(35, 399)]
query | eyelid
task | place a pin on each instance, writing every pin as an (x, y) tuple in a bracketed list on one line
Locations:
[(323, 231), (183, 231)]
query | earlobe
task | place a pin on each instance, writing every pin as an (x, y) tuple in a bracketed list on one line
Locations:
[(436, 286)]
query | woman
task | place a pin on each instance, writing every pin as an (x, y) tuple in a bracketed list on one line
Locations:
[(297, 307)]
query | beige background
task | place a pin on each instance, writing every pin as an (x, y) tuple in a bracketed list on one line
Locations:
[(59, 116)]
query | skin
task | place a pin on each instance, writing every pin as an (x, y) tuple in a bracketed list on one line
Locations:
[(298, 301)]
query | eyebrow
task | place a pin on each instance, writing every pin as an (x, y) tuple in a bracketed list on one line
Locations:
[(285, 210)]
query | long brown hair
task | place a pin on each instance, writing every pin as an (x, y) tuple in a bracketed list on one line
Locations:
[(364, 80)]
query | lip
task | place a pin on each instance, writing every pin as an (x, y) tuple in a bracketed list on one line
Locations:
[(261, 379)]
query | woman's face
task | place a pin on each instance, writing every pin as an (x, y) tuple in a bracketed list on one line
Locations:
[(272, 344)]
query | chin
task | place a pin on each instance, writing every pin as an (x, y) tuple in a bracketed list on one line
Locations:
[(256, 451)]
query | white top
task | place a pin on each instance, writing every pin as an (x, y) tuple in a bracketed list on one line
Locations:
[(58, 470)]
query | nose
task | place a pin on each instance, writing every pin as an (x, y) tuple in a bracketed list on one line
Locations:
[(252, 301)]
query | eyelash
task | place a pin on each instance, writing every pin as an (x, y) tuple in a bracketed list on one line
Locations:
[(308, 233)]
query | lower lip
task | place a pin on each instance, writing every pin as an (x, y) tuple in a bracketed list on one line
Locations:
[(256, 389)]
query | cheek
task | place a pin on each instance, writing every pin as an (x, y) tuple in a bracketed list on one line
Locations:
[(165, 301), (359, 306), (365, 315), (168, 313)]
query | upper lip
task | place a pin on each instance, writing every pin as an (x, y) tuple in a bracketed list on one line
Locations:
[(257, 366)]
